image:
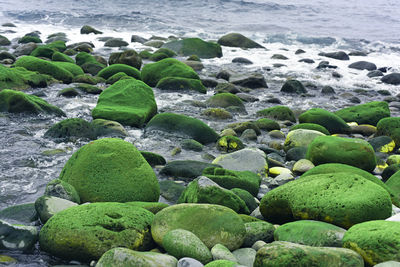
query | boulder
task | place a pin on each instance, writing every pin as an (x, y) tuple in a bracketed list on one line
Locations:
[(368, 113), (4, 41), (340, 55), (332, 122), (20, 79), (258, 231), (225, 100), (389, 127), (179, 84), (108, 128), (62, 189), (21, 214), (194, 46), (86, 29), (17, 237), (310, 126), (129, 57), (392, 78), (250, 80), (116, 68), (277, 113), (363, 65), (220, 252), (115, 42), (48, 206), (293, 87), (188, 169), (238, 40), (70, 129), (300, 137)]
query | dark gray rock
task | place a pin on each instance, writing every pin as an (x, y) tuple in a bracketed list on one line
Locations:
[(138, 39), (86, 29), (293, 87), (251, 80), (375, 73), (188, 169), (392, 78), (241, 60), (340, 55), (363, 65), (115, 42), (307, 60), (327, 90)]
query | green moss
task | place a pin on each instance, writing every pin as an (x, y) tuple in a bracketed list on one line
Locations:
[(29, 39), (153, 207), (217, 113), (153, 158), (58, 56), (195, 46), (42, 51), (179, 84), (90, 89), (129, 102), (310, 126), (221, 263), (44, 67), (193, 58), (332, 149), (145, 54), (340, 198), (158, 56), (183, 125), (267, 124), (240, 127), (86, 58), (85, 78), (332, 122), (111, 169), (190, 144), (246, 197), (129, 57), (62, 189), (116, 68), (171, 190), (74, 69), (229, 143), (57, 46), (368, 113), (394, 184), (19, 78), (248, 218), (277, 113), (225, 100), (116, 77), (390, 127), (18, 102), (71, 128), (85, 232), (166, 51), (152, 73)]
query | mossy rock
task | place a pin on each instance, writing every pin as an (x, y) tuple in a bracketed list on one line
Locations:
[(145, 54), (58, 56), (258, 230), (86, 58), (190, 144), (229, 143), (331, 149), (217, 113), (332, 122), (238, 40), (277, 113), (225, 100), (195, 46), (204, 190), (116, 68), (311, 126), (166, 51), (171, 190), (129, 102), (45, 67), (86, 29), (152, 73), (189, 169), (394, 184), (179, 84), (281, 253), (382, 144), (340, 198), (85, 79), (153, 158), (108, 128), (240, 127), (300, 137), (311, 233), (247, 198), (19, 102), (230, 179), (42, 51), (375, 241), (23, 213), (153, 207), (337, 167), (213, 224), (389, 171), (182, 125), (293, 87), (62, 189), (158, 56), (111, 169), (57, 46), (74, 69), (71, 129), (390, 127), (89, 89), (86, 232), (4, 41), (267, 124), (68, 92), (116, 77), (29, 39), (368, 113), (20, 78), (128, 57)]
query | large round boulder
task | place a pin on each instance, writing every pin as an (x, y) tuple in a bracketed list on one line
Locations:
[(368, 113), (332, 122), (195, 46), (111, 169)]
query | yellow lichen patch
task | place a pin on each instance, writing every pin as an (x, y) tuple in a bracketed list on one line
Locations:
[(222, 142), (353, 123), (388, 147), (233, 145)]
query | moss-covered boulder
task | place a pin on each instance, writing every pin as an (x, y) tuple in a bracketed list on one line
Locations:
[(116, 68), (124, 257), (74, 69), (58, 56), (43, 51), (153, 158), (71, 129), (340, 198), (19, 102), (20, 78), (375, 241), (129, 57), (332, 122), (204, 190), (86, 29), (331, 149), (229, 143), (152, 73), (86, 58), (62, 189), (281, 253), (29, 39), (238, 40), (230, 179), (153, 207), (45, 67), (368, 113), (213, 224), (17, 237), (86, 232), (111, 169), (258, 230), (4, 41), (300, 137), (310, 126), (394, 184), (277, 113), (267, 124), (311, 233), (182, 126), (188, 169), (195, 46), (225, 100), (108, 128), (179, 84), (129, 102), (390, 127)]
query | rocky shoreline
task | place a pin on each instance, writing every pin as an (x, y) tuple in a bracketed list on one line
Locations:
[(179, 160)]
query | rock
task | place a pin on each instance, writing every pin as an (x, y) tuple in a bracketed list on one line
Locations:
[(190, 144), (332, 122), (17, 237), (307, 60), (19, 102), (247, 97), (84, 58), (293, 87), (128, 257), (117, 68), (382, 144), (86, 29), (220, 252), (171, 190), (368, 113), (6, 260), (245, 256), (179, 84), (194, 46), (300, 137), (310, 126), (302, 166), (71, 129), (25, 49), (57, 56), (182, 243), (363, 65), (299, 51), (195, 65), (204, 190), (247, 159), (240, 127), (213, 224), (86, 232), (258, 231), (29, 39), (222, 263), (6, 55), (342, 199), (331, 149), (153, 207), (227, 88), (189, 262), (280, 253), (394, 183), (375, 73), (279, 56), (326, 65), (63, 190), (238, 40), (249, 135), (4, 41), (128, 57), (225, 100), (116, 42), (217, 113), (336, 55), (389, 171), (281, 113), (94, 171), (310, 233), (108, 128), (376, 241), (392, 78), (129, 102), (138, 39), (251, 80), (242, 60), (365, 129), (327, 90), (389, 127), (185, 168), (48, 206), (229, 143), (21, 214), (152, 73), (267, 124), (154, 43), (296, 153), (183, 126)]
